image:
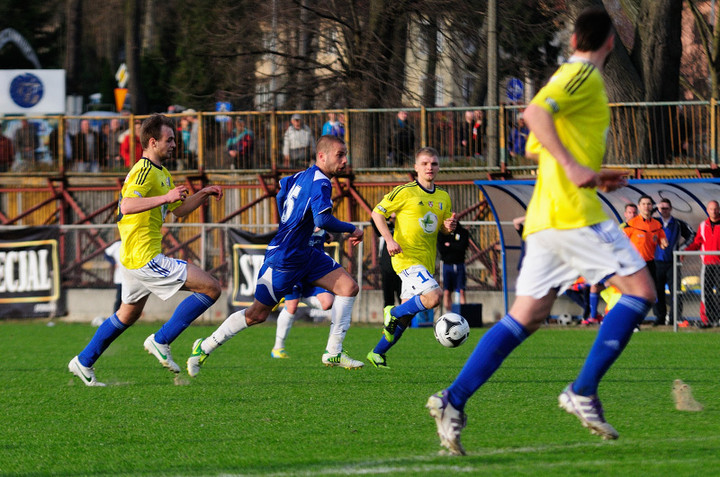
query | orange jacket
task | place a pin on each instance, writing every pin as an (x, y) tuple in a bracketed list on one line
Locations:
[(645, 235)]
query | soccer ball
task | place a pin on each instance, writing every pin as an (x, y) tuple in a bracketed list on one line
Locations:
[(451, 330), (564, 319)]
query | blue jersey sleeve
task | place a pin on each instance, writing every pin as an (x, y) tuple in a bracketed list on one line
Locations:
[(328, 222)]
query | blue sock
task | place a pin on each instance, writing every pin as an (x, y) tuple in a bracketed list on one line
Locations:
[(105, 334), (411, 307), (186, 312), (593, 304), (488, 355), (613, 336), (384, 345)]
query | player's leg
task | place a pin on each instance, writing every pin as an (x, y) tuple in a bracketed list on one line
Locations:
[(420, 292), (206, 292), (271, 286), (284, 323), (82, 364), (448, 286), (339, 282)]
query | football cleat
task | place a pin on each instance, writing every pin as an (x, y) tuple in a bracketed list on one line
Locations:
[(377, 360), (161, 352), (389, 324), (589, 410), (279, 353), (196, 359), (86, 375), (450, 422), (341, 360)]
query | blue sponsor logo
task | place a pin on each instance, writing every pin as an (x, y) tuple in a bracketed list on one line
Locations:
[(26, 90)]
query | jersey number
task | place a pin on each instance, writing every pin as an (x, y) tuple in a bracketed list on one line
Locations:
[(422, 277), (290, 203)]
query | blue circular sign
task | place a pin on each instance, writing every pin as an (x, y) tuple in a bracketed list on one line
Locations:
[(515, 89), (26, 90)]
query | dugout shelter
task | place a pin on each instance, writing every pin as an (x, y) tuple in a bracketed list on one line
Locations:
[(508, 199)]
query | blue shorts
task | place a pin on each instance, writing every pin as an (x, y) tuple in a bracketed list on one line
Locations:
[(299, 291), (273, 285), (454, 277)]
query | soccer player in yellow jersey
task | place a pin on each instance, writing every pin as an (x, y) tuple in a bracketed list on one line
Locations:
[(148, 194), (567, 235), (421, 210)]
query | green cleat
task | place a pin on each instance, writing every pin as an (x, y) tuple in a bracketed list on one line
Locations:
[(377, 360), (196, 359), (390, 323)]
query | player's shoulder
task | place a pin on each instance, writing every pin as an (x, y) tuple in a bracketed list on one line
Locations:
[(398, 191), (572, 76)]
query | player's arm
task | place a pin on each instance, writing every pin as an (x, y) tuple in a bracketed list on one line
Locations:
[(136, 205), (380, 222), (197, 199), (329, 223)]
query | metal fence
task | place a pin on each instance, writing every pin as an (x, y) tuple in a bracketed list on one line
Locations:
[(84, 265), (696, 294), (656, 135)]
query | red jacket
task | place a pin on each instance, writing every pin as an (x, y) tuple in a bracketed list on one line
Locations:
[(707, 239)]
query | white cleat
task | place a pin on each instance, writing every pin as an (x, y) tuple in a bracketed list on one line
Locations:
[(590, 412), (161, 352), (341, 360), (197, 358), (450, 422), (86, 375)]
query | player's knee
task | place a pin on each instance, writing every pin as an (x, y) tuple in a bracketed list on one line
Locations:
[(432, 298), (214, 289), (254, 317)]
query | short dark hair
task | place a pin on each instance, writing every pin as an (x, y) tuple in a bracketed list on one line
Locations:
[(666, 201), (325, 142), (152, 128), (634, 206), (592, 28), (645, 196)]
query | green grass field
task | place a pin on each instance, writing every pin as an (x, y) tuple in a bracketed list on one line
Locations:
[(248, 414)]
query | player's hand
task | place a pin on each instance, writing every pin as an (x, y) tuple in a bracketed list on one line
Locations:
[(664, 243), (213, 190), (178, 193), (610, 180), (356, 236), (393, 247), (581, 176), (450, 223)]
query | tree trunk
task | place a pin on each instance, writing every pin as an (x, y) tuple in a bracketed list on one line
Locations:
[(430, 31), (132, 56), (73, 22)]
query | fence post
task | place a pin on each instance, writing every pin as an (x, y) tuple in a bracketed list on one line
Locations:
[(423, 126), (347, 134), (200, 141), (273, 141), (713, 134), (61, 143)]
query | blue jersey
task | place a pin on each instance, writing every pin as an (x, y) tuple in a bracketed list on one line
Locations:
[(301, 198)]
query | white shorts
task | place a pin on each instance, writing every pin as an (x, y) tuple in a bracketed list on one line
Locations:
[(162, 276), (416, 280), (555, 258)]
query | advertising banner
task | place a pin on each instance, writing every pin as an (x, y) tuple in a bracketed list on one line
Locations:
[(248, 253), (30, 285), (32, 92)]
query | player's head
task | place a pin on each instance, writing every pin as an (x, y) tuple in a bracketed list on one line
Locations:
[(331, 155), (158, 134), (426, 164), (665, 208), (593, 29), (631, 211)]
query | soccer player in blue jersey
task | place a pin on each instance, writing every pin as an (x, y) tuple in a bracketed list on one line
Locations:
[(567, 235), (148, 194), (305, 203), (316, 296)]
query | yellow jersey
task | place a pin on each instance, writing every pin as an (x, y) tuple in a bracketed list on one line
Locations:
[(419, 215), (141, 234), (576, 99)]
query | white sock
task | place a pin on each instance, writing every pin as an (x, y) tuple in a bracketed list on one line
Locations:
[(232, 325), (284, 323), (341, 317)]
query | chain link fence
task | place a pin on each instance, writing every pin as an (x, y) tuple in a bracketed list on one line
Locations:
[(696, 294)]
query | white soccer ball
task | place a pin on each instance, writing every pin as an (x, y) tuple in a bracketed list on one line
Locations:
[(451, 330), (564, 319)]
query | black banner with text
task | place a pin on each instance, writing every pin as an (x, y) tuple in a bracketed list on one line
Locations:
[(30, 273)]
